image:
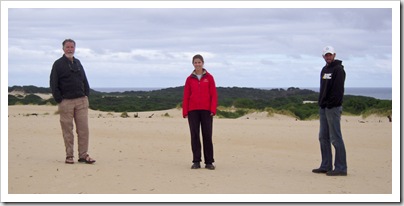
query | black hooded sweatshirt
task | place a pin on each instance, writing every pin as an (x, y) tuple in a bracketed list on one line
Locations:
[(332, 80)]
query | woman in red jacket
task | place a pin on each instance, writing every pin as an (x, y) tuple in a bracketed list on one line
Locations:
[(199, 106)]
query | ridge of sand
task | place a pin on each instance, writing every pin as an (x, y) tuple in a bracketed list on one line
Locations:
[(42, 95), (259, 155)]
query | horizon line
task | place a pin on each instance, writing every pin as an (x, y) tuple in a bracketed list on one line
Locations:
[(162, 87)]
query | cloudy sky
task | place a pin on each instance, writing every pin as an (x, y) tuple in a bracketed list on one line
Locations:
[(245, 47)]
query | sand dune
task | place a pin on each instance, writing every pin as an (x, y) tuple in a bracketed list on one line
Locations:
[(255, 154)]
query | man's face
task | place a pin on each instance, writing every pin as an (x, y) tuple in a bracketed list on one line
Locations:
[(69, 49), (329, 58)]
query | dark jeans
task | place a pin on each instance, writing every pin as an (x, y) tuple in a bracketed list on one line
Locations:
[(330, 133), (201, 119)]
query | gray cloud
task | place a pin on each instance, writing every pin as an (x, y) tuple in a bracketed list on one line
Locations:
[(242, 47)]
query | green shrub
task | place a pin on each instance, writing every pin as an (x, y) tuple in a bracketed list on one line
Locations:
[(124, 115), (231, 114)]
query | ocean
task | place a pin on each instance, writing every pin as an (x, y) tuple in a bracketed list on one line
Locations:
[(376, 92)]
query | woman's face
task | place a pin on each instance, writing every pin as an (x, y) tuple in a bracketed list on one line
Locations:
[(198, 64)]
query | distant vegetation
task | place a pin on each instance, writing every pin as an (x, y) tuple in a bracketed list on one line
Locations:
[(234, 102), (30, 89)]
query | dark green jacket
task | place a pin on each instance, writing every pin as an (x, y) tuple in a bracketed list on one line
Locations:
[(68, 80)]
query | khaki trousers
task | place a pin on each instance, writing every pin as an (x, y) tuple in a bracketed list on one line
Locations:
[(77, 110)]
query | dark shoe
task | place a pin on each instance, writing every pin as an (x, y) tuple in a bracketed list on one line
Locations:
[(87, 160), (319, 170), (210, 166), (337, 173), (196, 165)]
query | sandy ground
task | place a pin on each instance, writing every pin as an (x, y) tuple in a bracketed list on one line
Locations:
[(255, 154)]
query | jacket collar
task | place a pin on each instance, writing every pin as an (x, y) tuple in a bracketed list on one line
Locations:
[(203, 72), (68, 60), (334, 63)]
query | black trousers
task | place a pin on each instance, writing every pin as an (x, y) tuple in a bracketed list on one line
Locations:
[(201, 119)]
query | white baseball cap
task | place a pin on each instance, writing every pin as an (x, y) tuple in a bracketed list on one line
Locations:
[(328, 49)]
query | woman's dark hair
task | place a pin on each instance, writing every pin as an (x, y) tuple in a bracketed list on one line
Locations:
[(198, 56)]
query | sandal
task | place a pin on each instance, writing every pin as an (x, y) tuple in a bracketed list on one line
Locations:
[(69, 160), (87, 160)]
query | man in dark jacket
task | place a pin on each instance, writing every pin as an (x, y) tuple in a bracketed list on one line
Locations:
[(70, 89), (332, 81)]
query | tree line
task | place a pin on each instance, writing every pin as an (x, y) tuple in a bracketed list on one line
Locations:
[(233, 101)]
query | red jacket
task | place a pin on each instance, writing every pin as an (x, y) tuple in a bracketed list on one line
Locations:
[(199, 94)]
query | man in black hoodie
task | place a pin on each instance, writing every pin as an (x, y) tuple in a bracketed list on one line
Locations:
[(332, 81)]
